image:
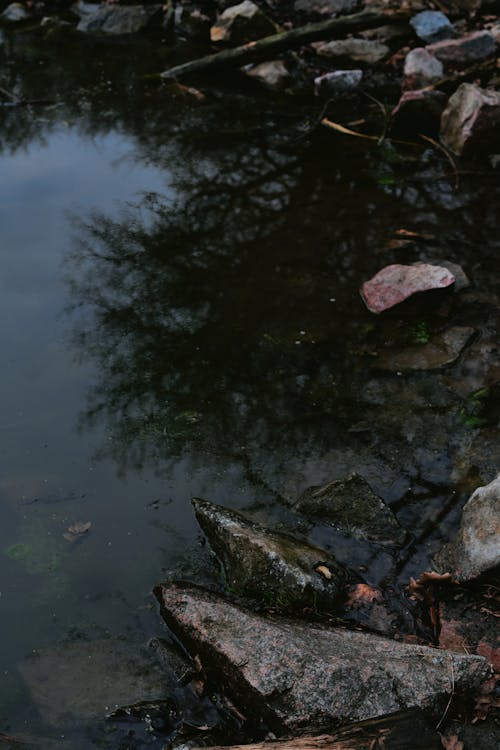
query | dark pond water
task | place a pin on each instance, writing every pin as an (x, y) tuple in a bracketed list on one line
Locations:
[(180, 318)]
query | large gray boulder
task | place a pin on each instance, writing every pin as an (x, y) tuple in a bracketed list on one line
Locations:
[(471, 119), (304, 676), (476, 548), (270, 566), (351, 505), (118, 19)]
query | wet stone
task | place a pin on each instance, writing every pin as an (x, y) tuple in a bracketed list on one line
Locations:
[(305, 676), (351, 505), (441, 350), (396, 283), (432, 26), (267, 565), (476, 548)]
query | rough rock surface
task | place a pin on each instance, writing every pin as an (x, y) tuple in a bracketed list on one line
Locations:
[(396, 283), (338, 82), (269, 565), (241, 23), (421, 69), (471, 118), (272, 74), (125, 19), (306, 676), (468, 49), (15, 13), (359, 50), (80, 681), (351, 505), (476, 548), (441, 350), (432, 26)]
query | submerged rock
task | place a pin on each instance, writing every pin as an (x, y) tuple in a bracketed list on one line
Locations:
[(466, 50), (421, 69), (272, 74), (471, 119), (476, 548), (338, 82), (360, 50), (122, 19), (304, 676), (268, 565), (432, 26), (441, 350), (76, 682), (242, 23), (351, 505), (396, 283)]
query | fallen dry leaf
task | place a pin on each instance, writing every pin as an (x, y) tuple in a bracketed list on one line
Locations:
[(362, 595), (77, 530), (418, 587), (324, 571)]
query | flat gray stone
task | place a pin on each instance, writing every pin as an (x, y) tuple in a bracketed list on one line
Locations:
[(351, 505), (476, 548), (359, 50), (73, 683), (304, 676), (432, 26), (269, 566), (441, 350), (117, 19)]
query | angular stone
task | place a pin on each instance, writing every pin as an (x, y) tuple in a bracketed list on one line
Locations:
[(305, 676), (441, 350), (468, 49), (396, 283), (421, 69), (471, 119), (419, 111), (242, 23), (326, 7), (337, 82), (359, 50), (272, 74), (79, 681), (267, 565), (351, 505), (432, 26), (476, 548), (15, 13), (123, 19)]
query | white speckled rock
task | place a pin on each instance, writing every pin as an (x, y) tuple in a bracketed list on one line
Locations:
[(476, 548)]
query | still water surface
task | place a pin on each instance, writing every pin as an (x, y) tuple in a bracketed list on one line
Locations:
[(180, 318)]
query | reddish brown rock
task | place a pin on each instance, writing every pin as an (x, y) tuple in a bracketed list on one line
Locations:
[(396, 283), (305, 676)]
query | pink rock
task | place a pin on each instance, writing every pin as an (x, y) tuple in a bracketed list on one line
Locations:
[(471, 119), (421, 69), (395, 283)]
